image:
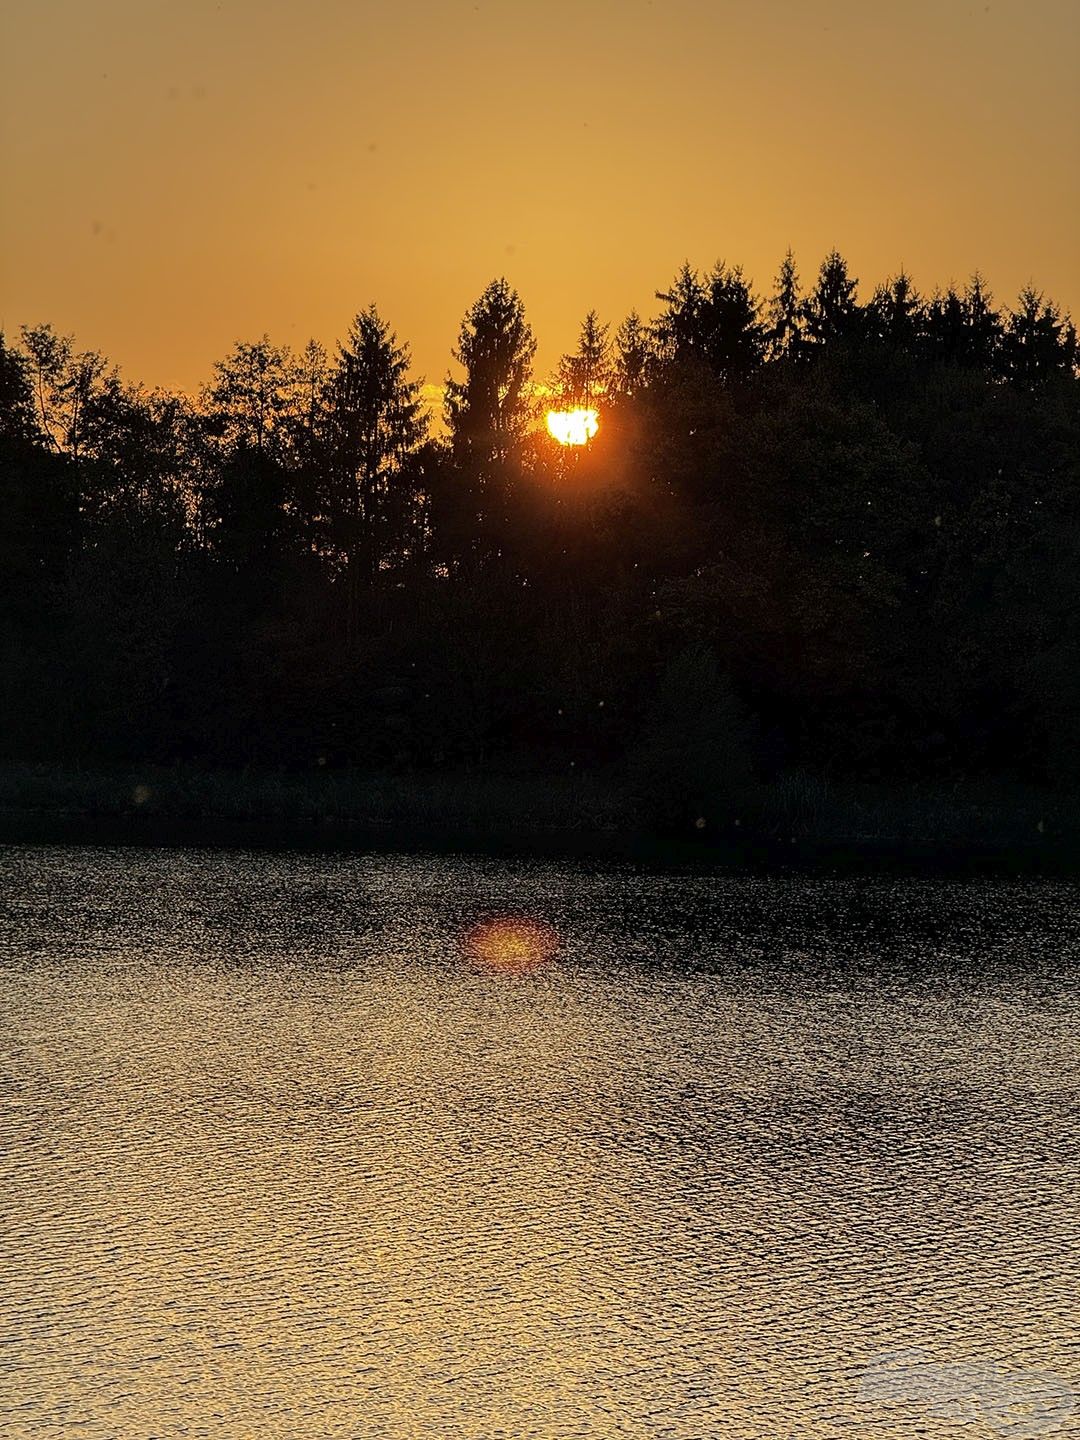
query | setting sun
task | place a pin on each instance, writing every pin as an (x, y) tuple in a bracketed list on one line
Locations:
[(572, 427)]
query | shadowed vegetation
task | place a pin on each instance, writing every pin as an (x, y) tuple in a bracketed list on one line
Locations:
[(817, 536)]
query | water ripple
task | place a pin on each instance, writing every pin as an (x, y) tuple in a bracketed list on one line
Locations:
[(756, 1157)]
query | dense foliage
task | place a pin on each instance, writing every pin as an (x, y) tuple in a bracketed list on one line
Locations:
[(812, 533)]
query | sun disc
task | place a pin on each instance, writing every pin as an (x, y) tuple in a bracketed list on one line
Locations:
[(573, 427)]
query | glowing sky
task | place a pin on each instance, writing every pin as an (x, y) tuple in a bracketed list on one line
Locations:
[(179, 174)]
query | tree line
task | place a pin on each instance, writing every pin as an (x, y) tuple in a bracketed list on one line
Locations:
[(812, 533)]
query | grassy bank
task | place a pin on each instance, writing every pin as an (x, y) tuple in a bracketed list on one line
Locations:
[(796, 817)]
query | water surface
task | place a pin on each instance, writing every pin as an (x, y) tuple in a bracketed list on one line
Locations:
[(768, 1157)]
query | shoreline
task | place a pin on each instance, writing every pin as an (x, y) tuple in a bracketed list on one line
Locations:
[(855, 829)]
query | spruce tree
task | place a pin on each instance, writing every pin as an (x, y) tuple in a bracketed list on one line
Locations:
[(374, 423), (785, 312)]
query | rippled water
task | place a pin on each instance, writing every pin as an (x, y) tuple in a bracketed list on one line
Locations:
[(753, 1157)]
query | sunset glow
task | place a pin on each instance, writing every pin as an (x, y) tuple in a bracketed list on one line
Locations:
[(528, 536), (345, 171), (572, 427)]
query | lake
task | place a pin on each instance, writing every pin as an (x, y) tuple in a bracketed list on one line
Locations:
[(748, 1156)]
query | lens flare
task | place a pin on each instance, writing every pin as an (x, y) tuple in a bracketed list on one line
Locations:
[(572, 427), (511, 945)]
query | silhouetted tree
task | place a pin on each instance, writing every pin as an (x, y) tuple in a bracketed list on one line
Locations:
[(734, 339), (373, 424), (18, 421), (633, 354), (246, 505), (867, 564), (831, 311), (785, 314), (963, 328), (39, 503), (488, 411), (584, 375), (252, 396), (312, 372), (677, 332), (713, 321), (895, 312), (983, 323), (1038, 342), (64, 384)]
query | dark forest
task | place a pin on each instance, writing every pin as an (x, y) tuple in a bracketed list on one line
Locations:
[(812, 537)]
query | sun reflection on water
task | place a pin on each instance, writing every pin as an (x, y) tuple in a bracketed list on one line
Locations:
[(511, 944)]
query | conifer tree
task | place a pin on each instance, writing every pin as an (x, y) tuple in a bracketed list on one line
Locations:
[(677, 331), (1038, 342), (963, 328), (584, 376), (895, 311), (633, 355), (831, 311), (374, 423), (487, 412), (785, 313), (733, 338)]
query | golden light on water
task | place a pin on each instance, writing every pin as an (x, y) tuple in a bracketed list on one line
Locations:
[(511, 945), (572, 427)]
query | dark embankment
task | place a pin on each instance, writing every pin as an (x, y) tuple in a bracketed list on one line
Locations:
[(795, 820)]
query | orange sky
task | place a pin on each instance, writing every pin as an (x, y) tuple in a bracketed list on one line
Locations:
[(179, 174)]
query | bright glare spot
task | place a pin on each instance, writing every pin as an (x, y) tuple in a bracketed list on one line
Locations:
[(572, 427), (511, 945)]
